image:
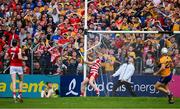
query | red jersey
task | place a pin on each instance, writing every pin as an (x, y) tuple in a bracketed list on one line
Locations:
[(11, 37), (26, 70), (63, 41), (2, 43), (74, 20), (95, 67), (13, 54)]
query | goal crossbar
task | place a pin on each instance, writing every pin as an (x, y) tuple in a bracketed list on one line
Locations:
[(145, 32)]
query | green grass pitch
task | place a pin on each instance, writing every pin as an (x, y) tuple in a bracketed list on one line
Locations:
[(91, 102)]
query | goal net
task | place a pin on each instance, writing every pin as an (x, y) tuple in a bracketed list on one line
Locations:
[(117, 47)]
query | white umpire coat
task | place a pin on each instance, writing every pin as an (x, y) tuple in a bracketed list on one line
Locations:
[(125, 72)]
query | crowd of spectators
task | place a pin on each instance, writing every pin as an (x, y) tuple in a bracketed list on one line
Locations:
[(134, 15), (51, 32), (144, 48)]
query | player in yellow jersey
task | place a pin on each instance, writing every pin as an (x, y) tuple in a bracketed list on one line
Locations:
[(165, 74)]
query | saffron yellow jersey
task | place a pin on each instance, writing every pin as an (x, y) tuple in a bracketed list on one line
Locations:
[(166, 60)]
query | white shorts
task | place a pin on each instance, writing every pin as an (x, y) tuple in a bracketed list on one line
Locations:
[(14, 69)]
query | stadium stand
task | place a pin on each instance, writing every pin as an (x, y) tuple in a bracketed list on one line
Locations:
[(42, 27)]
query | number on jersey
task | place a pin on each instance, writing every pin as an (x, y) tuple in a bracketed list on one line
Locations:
[(12, 55)]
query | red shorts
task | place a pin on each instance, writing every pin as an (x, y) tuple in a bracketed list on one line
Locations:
[(95, 75)]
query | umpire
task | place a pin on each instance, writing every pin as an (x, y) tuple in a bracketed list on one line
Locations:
[(125, 72)]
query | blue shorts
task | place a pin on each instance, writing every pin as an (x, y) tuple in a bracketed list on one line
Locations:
[(166, 80)]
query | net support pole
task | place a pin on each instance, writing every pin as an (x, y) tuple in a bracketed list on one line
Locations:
[(96, 44), (85, 42), (32, 58)]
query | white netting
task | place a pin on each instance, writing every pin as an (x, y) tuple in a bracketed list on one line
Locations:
[(145, 48), (116, 48)]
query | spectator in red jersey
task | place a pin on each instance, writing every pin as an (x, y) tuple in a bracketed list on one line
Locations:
[(26, 69), (54, 54), (12, 35), (63, 41), (74, 19)]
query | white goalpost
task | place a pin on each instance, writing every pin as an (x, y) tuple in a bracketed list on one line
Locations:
[(85, 41), (86, 49)]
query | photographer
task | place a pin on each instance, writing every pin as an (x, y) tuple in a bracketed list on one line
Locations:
[(49, 91)]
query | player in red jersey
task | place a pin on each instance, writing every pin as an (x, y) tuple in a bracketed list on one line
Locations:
[(16, 59), (93, 75)]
